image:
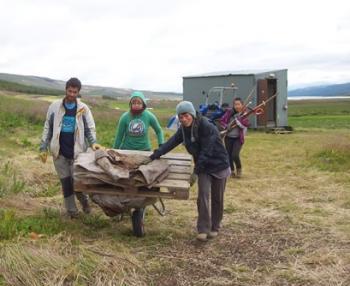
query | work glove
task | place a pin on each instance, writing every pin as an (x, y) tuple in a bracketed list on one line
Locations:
[(96, 146), (193, 179), (43, 156)]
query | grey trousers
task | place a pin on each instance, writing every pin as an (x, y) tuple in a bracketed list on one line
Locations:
[(64, 169), (210, 215)]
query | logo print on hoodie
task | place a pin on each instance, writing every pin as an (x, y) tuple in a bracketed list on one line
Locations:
[(136, 127)]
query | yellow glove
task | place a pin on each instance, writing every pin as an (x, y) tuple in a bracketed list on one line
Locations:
[(43, 156), (96, 146)]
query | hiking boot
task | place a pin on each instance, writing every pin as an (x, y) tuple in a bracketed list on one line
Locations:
[(202, 236), (213, 234), (239, 173)]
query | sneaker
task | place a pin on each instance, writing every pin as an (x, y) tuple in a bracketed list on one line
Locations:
[(213, 234), (239, 173), (202, 236)]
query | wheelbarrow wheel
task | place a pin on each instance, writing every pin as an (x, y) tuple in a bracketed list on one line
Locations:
[(138, 217)]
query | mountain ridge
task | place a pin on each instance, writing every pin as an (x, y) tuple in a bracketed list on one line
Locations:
[(87, 90), (342, 89)]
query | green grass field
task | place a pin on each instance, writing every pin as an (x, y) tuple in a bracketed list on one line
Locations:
[(324, 114), (286, 222)]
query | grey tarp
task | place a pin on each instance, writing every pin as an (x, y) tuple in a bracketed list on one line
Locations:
[(110, 167), (122, 171)]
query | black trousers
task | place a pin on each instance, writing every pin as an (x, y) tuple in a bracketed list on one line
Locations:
[(233, 147)]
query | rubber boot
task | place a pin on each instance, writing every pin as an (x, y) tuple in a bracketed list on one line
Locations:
[(71, 208)]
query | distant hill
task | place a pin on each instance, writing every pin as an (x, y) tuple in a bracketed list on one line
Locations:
[(17, 87), (52, 86), (324, 90)]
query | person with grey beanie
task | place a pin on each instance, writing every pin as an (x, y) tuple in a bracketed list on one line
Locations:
[(202, 140)]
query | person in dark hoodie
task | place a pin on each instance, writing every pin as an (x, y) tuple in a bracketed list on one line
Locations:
[(202, 140)]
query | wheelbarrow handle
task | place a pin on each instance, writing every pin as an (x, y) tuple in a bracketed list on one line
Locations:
[(160, 211)]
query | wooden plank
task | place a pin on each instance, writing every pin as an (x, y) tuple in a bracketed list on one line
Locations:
[(180, 169), (174, 184), (178, 163), (173, 194), (179, 156), (175, 176), (176, 156)]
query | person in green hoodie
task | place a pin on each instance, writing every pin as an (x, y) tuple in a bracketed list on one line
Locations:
[(132, 131)]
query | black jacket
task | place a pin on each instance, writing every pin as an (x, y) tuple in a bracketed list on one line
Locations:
[(202, 140)]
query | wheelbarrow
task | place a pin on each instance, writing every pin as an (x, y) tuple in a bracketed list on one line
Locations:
[(115, 200)]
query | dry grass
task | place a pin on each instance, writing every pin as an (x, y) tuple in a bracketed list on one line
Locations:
[(63, 261)]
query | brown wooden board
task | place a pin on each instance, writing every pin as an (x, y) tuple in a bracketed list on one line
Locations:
[(174, 186), (176, 156), (180, 169), (118, 191), (178, 176), (178, 162)]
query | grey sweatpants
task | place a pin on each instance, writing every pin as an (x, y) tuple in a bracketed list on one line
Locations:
[(64, 169), (209, 185)]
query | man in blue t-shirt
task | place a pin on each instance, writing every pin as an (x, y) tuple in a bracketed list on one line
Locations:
[(69, 130)]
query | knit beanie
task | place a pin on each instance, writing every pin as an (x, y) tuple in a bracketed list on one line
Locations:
[(185, 107)]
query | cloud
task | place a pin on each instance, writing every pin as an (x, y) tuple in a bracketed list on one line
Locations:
[(152, 44)]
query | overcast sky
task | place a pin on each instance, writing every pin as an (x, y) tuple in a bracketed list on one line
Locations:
[(151, 44)]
